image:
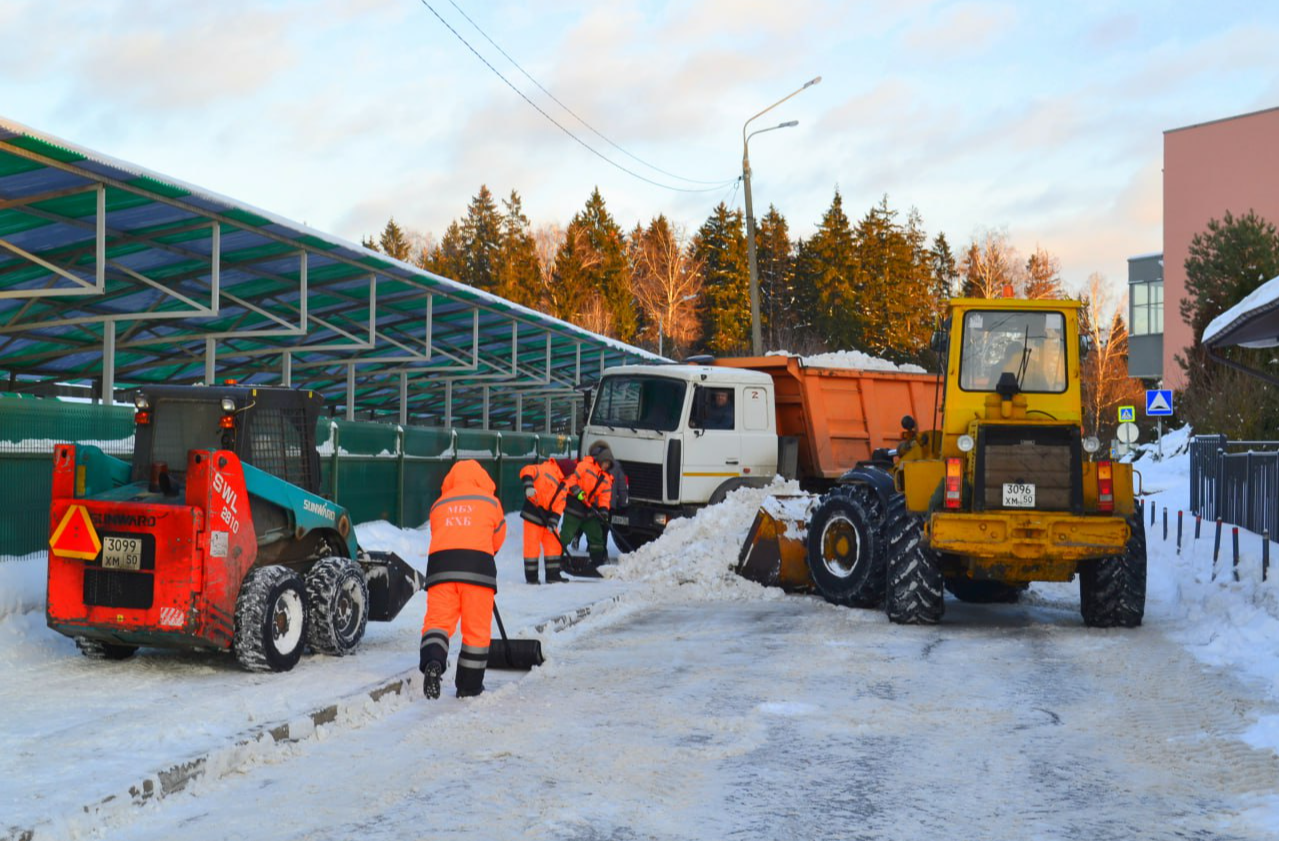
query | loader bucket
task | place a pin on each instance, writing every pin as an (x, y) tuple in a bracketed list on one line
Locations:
[(391, 583), (774, 553)]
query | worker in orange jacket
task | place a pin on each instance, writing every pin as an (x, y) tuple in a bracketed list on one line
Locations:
[(467, 529), (545, 499), (588, 502)]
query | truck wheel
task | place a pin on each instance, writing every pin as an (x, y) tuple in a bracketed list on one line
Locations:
[(844, 556), (914, 591), (1112, 589), (100, 650), (975, 591), (269, 622), (338, 598)]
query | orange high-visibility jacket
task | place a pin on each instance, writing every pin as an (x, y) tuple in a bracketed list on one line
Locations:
[(467, 528), (588, 487), (549, 499)]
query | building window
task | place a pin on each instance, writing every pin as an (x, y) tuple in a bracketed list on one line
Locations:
[(1147, 308)]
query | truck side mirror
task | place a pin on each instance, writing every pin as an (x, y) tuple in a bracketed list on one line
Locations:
[(1085, 345)]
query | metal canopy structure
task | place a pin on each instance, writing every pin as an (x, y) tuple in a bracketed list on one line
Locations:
[(116, 275)]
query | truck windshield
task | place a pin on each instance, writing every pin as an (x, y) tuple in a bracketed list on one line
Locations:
[(1029, 345), (639, 403)]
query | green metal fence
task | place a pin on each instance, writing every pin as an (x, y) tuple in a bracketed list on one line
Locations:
[(378, 471)]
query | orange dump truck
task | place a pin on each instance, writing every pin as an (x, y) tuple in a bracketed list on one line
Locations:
[(688, 435)]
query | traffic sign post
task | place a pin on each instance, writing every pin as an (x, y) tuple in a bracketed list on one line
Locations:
[(1158, 404)]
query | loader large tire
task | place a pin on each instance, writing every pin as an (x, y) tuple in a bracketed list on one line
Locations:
[(914, 587), (1113, 589), (845, 537), (338, 597), (269, 622)]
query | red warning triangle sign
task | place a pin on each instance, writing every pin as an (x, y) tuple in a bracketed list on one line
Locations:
[(75, 536)]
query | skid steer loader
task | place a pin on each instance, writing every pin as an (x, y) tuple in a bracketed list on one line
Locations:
[(997, 496), (214, 535)]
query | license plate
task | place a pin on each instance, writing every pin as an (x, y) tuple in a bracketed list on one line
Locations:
[(122, 552), (1014, 495), (619, 520)]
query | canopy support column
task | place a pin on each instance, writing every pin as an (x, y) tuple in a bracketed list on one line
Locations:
[(287, 368), (350, 392), (109, 360), (404, 398), (209, 374)]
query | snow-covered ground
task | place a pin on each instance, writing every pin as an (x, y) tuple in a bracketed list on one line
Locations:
[(698, 705)]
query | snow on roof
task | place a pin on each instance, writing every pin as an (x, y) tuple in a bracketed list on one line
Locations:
[(1259, 301)]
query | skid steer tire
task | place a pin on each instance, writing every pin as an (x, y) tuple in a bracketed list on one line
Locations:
[(973, 591), (100, 650), (914, 591), (338, 598), (270, 619), (1112, 589), (845, 557)]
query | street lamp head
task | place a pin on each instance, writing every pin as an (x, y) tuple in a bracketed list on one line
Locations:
[(789, 124), (813, 82)]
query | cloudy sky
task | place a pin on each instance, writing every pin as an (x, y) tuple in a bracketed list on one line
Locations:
[(1041, 119)]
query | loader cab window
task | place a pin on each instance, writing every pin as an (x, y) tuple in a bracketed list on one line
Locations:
[(639, 403), (177, 427), (1030, 345), (713, 408)]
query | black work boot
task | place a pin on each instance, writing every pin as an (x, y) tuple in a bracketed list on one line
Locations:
[(431, 680), (469, 681), (531, 570), (552, 569)]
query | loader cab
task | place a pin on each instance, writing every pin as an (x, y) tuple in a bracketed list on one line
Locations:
[(270, 428)]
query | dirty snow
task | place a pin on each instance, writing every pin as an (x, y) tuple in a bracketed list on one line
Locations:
[(851, 359)]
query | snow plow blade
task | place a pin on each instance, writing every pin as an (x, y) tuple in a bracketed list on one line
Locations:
[(391, 583), (774, 553)]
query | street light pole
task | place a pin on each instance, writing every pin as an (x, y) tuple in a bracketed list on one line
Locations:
[(756, 332)]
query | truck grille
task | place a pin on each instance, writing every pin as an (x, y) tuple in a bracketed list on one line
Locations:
[(646, 479), (114, 588), (1048, 457)]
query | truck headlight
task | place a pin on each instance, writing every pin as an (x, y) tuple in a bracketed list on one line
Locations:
[(1091, 444), (227, 405), (965, 443), (660, 519)]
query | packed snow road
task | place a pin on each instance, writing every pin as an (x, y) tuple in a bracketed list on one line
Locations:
[(784, 718)]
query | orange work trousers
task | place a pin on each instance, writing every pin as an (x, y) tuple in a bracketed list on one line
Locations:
[(447, 605), (539, 540)]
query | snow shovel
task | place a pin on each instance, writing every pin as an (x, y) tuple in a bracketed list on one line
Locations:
[(520, 655)]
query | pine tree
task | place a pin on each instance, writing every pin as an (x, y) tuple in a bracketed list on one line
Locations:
[(1043, 276), (482, 241), (830, 266), (943, 267), (592, 272), (392, 242), (719, 249), (776, 278), (448, 259), (519, 276)]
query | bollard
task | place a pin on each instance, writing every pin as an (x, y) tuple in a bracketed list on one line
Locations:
[(1266, 552), (1216, 549), (1235, 534), (1179, 519), (1151, 512), (1165, 523), (1198, 524)]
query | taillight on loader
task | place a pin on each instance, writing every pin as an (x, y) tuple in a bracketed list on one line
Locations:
[(952, 484), (143, 418), (1104, 486)]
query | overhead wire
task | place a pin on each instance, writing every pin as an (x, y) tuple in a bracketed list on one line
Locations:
[(565, 108), (722, 185)]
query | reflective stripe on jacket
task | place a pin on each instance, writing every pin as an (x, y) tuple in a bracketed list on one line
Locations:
[(467, 528), (549, 498)]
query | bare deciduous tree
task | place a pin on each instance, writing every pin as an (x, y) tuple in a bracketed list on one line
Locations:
[(1105, 384), (547, 243), (990, 267), (666, 282)]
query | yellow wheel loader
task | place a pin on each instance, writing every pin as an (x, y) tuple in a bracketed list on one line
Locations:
[(1002, 491)]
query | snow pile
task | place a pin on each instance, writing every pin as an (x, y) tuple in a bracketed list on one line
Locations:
[(851, 359), (22, 583), (1175, 443), (694, 557)]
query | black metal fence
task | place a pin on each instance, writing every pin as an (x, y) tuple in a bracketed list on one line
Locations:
[(1241, 488)]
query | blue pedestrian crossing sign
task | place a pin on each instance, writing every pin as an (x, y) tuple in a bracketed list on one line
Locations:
[(1158, 402), (1126, 414)]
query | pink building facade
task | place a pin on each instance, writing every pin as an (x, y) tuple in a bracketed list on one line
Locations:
[(1230, 164)]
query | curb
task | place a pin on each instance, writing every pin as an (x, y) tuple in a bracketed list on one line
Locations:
[(177, 777)]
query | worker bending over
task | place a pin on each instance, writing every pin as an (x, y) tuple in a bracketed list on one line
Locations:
[(545, 499), (467, 529), (588, 503)]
